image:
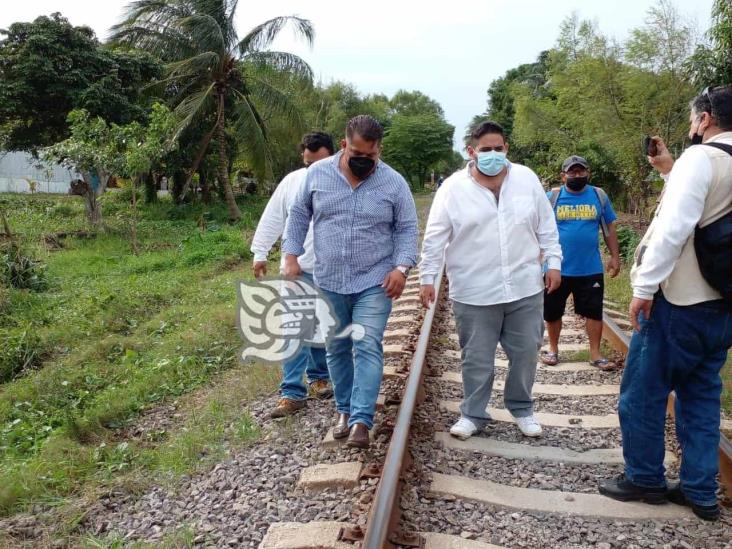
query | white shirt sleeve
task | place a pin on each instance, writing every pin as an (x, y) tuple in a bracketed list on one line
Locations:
[(681, 209), (272, 223), (546, 232), (436, 235)]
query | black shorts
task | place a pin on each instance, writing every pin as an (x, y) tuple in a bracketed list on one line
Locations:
[(587, 292)]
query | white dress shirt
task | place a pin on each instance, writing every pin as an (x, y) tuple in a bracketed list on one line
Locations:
[(696, 192), (492, 250), (272, 223)]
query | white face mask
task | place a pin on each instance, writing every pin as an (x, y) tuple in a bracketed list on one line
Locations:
[(490, 163)]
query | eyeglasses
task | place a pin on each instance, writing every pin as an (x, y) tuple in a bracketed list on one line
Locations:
[(708, 94)]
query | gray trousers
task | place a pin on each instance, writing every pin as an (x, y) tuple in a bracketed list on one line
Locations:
[(519, 327)]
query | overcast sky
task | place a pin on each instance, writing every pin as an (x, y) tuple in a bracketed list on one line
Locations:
[(449, 51)]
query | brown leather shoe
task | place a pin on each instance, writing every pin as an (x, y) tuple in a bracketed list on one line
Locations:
[(321, 389), (286, 407), (359, 437), (341, 427)]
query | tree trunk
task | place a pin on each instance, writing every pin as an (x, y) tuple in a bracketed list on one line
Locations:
[(234, 213), (135, 246), (202, 148), (93, 207), (177, 186), (205, 186), (151, 188)]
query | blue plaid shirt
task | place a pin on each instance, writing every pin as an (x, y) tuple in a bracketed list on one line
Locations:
[(360, 234)]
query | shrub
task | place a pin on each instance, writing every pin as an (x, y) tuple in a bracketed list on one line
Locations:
[(64, 210), (628, 239), (20, 270), (19, 350)]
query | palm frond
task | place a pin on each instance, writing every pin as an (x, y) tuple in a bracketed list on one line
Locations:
[(252, 134), (204, 31), (192, 106), (156, 12), (274, 101), (262, 36), (282, 62), (164, 41), (193, 66)]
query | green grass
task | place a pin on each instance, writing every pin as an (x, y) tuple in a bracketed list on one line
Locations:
[(117, 334)]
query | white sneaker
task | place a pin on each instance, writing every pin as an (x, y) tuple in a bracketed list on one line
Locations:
[(529, 425), (463, 429)]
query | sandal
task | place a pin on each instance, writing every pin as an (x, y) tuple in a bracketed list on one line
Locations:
[(603, 364), (549, 358)]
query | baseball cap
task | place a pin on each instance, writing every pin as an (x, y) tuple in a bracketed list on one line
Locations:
[(574, 160)]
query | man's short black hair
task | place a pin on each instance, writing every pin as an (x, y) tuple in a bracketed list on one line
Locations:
[(485, 128), (717, 102), (366, 126), (314, 141)]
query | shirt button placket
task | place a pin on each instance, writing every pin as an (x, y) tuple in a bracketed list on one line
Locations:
[(505, 270)]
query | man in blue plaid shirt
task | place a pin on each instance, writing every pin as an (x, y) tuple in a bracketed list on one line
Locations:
[(365, 235)]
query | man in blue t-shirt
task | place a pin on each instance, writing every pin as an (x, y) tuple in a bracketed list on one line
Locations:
[(581, 210)]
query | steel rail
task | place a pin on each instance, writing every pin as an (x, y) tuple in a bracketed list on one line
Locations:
[(379, 522)]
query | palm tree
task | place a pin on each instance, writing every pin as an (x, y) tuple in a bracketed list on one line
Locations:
[(215, 76)]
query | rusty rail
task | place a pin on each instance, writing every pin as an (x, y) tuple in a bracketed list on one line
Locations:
[(383, 516), (620, 341)]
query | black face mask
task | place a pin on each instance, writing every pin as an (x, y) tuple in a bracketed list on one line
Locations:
[(577, 183), (697, 139), (361, 166)]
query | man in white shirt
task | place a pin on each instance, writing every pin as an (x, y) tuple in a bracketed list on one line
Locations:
[(311, 360), (493, 223), (683, 325)]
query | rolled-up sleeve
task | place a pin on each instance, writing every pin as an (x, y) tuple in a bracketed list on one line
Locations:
[(546, 231), (406, 230), (436, 235), (298, 220)]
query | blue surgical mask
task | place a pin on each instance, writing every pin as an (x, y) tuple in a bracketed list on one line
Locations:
[(491, 163)]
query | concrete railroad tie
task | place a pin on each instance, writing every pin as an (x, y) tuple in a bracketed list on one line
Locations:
[(547, 389), (608, 421), (551, 501)]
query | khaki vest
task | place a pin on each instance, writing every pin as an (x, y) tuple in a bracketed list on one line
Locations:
[(685, 285)]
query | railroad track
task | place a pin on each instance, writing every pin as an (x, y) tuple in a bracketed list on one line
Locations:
[(499, 489)]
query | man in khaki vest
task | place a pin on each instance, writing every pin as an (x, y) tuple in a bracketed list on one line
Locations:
[(683, 327)]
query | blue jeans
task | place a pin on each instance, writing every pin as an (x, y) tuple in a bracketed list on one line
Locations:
[(356, 367), (310, 360), (679, 349)]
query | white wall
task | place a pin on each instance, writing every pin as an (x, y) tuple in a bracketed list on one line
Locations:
[(17, 167)]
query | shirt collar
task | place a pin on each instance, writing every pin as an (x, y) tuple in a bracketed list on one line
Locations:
[(721, 137)]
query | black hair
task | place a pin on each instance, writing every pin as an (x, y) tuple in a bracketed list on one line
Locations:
[(718, 103), (314, 141), (485, 128), (366, 126)]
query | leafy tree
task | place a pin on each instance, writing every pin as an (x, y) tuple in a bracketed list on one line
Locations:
[(49, 67), (712, 62), (92, 150), (142, 149), (207, 67), (594, 97), (447, 166), (412, 103), (416, 143)]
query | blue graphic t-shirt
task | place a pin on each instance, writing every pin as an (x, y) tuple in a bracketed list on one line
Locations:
[(578, 221)]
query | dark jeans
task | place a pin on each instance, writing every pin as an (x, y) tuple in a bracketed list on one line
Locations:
[(679, 349), (308, 360)]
